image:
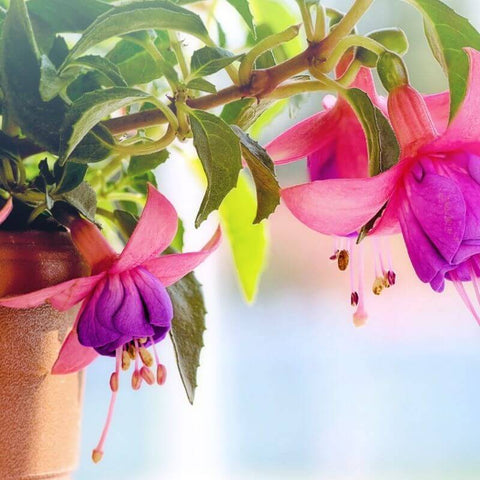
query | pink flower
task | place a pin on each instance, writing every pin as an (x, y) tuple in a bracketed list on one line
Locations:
[(432, 195), (125, 306)]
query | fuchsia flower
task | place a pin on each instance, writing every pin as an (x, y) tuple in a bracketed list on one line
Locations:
[(335, 146), (125, 306), (432, 195)]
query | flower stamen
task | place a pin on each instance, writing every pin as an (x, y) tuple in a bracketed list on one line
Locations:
[(97, 453)]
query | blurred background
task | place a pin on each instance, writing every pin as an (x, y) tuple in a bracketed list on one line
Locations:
[(288, 388)]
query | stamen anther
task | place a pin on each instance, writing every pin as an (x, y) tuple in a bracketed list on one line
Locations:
[(161, 374), (354, 299), (125, 360), (147, 375), (378, 285), (114, 381), (97, 455), (146, 357), (136, 380), (343, 259)]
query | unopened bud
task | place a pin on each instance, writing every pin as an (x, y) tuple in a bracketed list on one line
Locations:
[(343, 259), (392, 71)]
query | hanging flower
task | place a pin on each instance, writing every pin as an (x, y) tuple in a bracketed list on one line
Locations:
[(125, 307), (432, 194), (336, 148)]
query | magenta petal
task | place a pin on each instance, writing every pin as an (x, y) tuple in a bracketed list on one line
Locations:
[(73, 355), (171, 268), (304, 138), (437, 203), (439, 107), (155, 231), (465, 127), (62, 296), (341, 206)]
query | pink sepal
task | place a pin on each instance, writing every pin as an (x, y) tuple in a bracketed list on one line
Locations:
[(62, 296), (171, 268), (155, 231)]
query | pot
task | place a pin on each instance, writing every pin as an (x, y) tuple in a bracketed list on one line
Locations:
[(40, 413)]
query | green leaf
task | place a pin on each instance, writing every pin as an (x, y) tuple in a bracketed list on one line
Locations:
[(263, 172), (20, 79), (135, 64), (448, 34), (383, 149), (96, 146), (126, 223), (188, 325), (66, 16), (202, 85), (146, 163), (219, 151), (209, 60), (177, 242), (244, 112), (69, 176), (90, 109), (248, 241), (243, 8), (83, 198), (135, 16)]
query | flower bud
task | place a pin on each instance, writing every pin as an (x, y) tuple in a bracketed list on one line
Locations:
[(392, 39), (392, 71)]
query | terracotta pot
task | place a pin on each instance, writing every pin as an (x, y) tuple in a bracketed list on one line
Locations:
[(40, 413)]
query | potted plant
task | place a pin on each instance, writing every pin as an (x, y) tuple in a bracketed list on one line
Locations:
[(97, 94)]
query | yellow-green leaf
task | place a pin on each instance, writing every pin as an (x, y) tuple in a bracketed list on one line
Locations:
[(248, 241)]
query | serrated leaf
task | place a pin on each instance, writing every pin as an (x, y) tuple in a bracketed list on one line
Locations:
[(135, 16), (248, 241), (145, 163), (383, 149), (89, 110), (20, 79), (209, 60), (188, 325), (448, 34), (263, 172), (82, 198), (219, 151), (202, 85), (243, 8)]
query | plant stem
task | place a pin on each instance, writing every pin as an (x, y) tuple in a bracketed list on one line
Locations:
[(177, 49), (346, 25), (307, 19), (348, 42)]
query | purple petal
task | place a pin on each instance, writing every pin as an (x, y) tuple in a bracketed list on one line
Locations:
[(155, 298), (425, 258), (131, 319), (438, 205), (92, 330)]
